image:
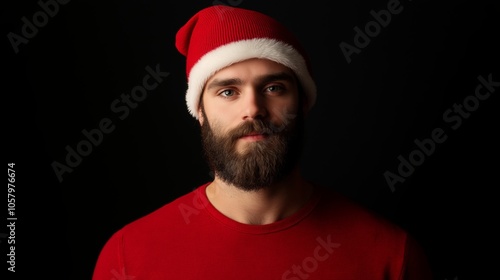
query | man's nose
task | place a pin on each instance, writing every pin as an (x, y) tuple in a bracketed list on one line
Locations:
[(254, 105)]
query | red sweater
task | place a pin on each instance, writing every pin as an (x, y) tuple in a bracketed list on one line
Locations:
[(329, 238)]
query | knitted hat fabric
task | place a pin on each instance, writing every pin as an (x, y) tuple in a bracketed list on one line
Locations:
[(218, 36)]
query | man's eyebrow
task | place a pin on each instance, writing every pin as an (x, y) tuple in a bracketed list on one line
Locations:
[(224, 83), (280, 76)]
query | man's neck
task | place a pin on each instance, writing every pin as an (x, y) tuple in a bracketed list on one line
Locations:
[(264, 206)]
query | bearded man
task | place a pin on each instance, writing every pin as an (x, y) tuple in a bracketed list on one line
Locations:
[(250, 87)]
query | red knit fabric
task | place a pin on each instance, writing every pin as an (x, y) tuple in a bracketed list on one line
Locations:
[(329, 238), (219, 25)]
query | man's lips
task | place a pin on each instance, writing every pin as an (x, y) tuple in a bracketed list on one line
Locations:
[(254, 136)]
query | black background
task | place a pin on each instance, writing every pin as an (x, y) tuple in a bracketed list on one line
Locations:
[(368, 112)]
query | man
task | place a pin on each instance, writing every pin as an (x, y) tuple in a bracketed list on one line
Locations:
[(250, 87)]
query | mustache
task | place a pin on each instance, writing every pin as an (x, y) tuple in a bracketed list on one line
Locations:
[(256, 126)]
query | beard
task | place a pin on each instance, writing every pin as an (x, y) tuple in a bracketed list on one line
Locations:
[(260, 163)]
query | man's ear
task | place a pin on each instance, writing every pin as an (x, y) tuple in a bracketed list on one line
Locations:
[(200, 116)]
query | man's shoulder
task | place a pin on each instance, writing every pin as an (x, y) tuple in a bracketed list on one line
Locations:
[(169, 216)]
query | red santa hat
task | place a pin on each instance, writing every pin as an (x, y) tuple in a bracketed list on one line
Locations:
[(218, 36)]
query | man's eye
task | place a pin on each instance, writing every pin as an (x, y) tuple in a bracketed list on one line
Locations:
[(226, 93), (274, 88)]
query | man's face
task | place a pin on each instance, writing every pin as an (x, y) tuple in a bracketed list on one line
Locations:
[(251, 123)]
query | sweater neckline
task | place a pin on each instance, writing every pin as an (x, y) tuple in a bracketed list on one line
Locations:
[(280, 225)]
